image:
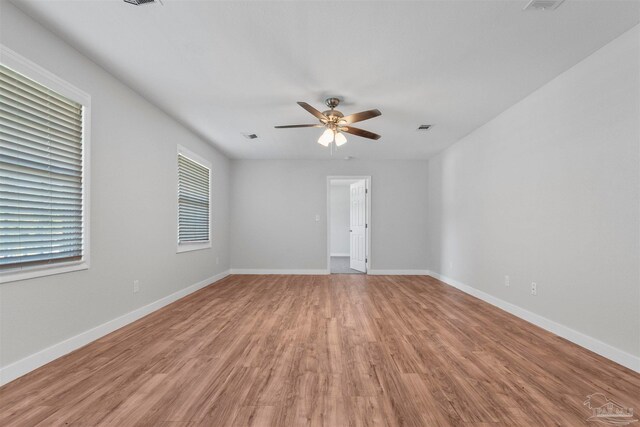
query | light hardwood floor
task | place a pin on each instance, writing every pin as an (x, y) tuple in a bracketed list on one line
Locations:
[(321, 350)]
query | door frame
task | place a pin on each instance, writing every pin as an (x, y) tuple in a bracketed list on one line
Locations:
[(367, 179)]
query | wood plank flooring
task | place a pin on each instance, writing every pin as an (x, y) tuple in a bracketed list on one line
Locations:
[(342, 350)]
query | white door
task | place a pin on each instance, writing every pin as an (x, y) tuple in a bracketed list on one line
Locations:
[(358, 227)]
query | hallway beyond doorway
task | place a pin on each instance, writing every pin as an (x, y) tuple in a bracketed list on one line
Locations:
[(340, 265)]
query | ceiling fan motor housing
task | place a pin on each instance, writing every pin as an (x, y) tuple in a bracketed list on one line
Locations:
[(333, 119), (333, 116)]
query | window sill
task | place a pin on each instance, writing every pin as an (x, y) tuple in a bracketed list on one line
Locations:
[(188, 247), (42, 271)]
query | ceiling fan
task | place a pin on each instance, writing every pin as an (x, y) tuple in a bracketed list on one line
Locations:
[(336, 123)]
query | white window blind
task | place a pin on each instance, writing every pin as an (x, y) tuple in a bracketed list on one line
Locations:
[(193, 201), (41, 174)]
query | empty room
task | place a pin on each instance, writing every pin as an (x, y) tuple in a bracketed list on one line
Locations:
[(319, 213)]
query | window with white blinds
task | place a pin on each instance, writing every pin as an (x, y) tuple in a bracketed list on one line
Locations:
[(41, 175), (194, 189)]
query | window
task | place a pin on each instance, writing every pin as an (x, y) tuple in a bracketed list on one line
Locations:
[(194, 197), (43, 227)]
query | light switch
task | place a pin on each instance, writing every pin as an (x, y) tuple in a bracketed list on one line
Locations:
[(317, 217)]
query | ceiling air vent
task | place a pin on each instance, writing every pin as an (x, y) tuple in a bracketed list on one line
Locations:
[(249, 135), (543, 4), (424, 127), (138, 2)]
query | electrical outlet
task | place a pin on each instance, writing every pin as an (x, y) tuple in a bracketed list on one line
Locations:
[(136, 286), (217, 260), (534, 288), (506, 281), (450, 265)]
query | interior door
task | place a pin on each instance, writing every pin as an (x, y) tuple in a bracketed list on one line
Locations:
[(358, 227)]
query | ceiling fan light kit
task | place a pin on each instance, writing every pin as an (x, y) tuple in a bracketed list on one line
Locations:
[(326, 138), (336, 124)]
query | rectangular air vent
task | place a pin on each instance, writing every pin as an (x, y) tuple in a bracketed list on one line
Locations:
[(249, 135), (543, 4), (424, 127)]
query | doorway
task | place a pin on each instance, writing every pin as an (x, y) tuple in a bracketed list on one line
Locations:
[(348, 219)]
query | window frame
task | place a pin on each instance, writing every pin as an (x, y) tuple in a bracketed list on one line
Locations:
[(191, 246), (29, 69)]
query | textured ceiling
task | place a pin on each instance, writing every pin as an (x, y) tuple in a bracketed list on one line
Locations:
[(223, 68)]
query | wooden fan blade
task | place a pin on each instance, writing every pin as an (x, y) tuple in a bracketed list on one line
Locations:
[(312, 110), (299, 126), (360, 132), (363, 115)]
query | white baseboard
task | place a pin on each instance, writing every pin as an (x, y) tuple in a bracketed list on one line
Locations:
[(340, 254), (398, 272), (23, 366), (605, 350), (271, 271), (322, 272)]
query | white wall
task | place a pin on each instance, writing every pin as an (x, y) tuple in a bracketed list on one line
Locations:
[(274, 204), (133, 208), (549, 192), (339, 204)]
